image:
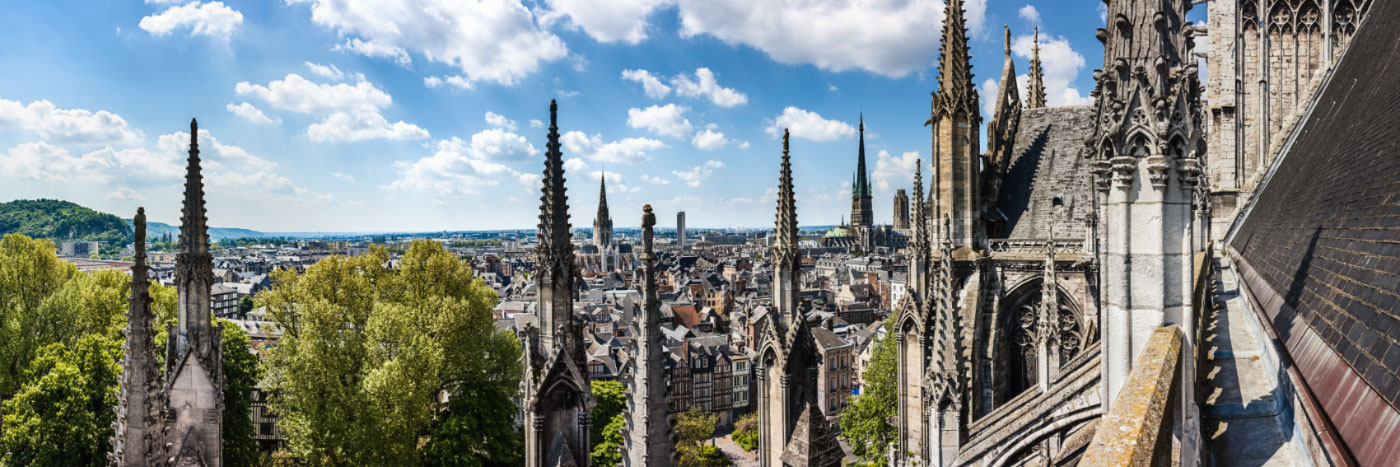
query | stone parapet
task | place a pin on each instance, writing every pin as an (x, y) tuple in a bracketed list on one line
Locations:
[(1138, 429)]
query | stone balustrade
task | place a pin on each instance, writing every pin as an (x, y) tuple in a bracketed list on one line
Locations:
[(1139, 428)]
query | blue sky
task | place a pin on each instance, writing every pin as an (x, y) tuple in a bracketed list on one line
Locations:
[(373, 115)]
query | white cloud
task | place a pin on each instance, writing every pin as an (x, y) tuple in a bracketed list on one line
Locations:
[(1103, 12), (626, 151), (831, 87), (667, 120), (455, 169), (496, 144), (891, 171), (432, 82), (209, 19), (609, 21), (376, 50), (351, 112), (1061, 64), (708, 140), (809, 125), (125, 194), (67, 125), (455, 81), (575, 164), (616, 183), (343, 127), (695, 176), (655, 180), (989, 91), (52, 164), (325, 71), (232, 169), (497, 41), (891, 38), (498, 120), (1029, 13), (705, 86), (251, 113), (344, 177), (535, 123), (651, 84)]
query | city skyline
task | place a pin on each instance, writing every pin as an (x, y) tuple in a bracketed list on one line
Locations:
[(351, 128)]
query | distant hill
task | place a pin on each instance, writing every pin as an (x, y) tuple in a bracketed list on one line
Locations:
[(61, 220), (157, 229)]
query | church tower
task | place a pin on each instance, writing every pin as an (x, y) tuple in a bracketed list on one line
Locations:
[(139, 437), (603, 228), (557, 397), (862, 212), (792, 431), (956, 120), (648, 435), (194, 378), (602, 223)]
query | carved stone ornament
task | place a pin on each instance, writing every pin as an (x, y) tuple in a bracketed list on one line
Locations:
[(1190, 171), (1124, 167), (1157, 170)]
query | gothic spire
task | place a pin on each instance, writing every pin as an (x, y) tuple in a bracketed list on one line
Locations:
[(554, 203), (554, 273), (787, 204), (648, 434), (138, 400), (956, 92), (947, 351), (603, 192), (1006, 120), (1035, 83), (194, 268), (861, 177), (918, 245)]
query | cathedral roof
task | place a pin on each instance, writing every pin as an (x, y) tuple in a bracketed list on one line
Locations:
[(837, 232), (1318, 243), (1045, 165)]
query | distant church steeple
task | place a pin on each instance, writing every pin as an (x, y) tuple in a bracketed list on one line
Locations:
[(862, 212)]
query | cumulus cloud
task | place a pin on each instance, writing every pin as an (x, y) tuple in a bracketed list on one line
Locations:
[(208, 19), (534, 123), (651, 84), (892, 171), (655, 180), (705, 86), (616, 182), (125, 194), (891, 38), (325, 71), (988, 91), (351, 113), (808, 125), (497, 41), (610, 21), (498, 120), (67, 125), (575, 164), (709, 139), (625, 151), (667, 120), (1029, 13), (1061, 64), (496, 144), (454, 170), (343, 177), (694, 177), (251, 113)]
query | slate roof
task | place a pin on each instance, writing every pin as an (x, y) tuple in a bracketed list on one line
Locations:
[(1045, 164), (1321, 243)]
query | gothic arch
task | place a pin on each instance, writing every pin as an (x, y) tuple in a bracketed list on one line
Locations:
[(1013, 355)]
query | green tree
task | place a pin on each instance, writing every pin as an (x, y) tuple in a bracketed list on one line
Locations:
[(63, 414), (245, 305), (865, 421), (608, 451), (746, 432), (30, 272), (368, 351), (693, 428), (611, 397), (241, 373)]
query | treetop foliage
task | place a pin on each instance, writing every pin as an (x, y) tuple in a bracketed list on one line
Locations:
[(62, 220)]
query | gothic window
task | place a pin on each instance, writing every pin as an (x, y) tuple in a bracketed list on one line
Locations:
[(1015, 356)]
